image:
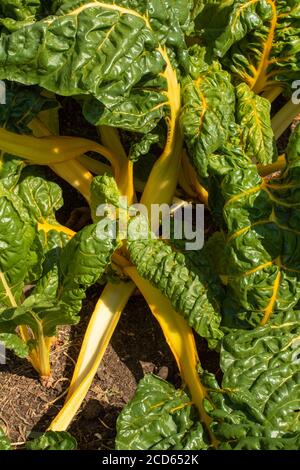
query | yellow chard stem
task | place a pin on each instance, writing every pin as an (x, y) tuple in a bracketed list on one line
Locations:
[(72, 171), (272, 93), (76, 175), (111, 139), (161, 185), (180, 339), (124, 170), (48, 150), (99, 332), (23, 329), (99, 168), (192, 179), (279, 165), (59, 153), (284, 118), (42, 352), (93, 165)]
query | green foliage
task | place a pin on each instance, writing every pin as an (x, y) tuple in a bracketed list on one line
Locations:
[(256, 407), (187, 279), (208, 110), (254, 117), (4, 441), (53, 441), (36, 255), (257, 41), (174, 76), (260, 259)]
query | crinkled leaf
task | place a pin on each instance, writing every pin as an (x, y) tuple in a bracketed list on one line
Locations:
[(67, 272), (256, 407), (258, 40), (17, 234), (112, 50), (244, 18), (104, 192), (42, 199), (52, 243), (185, 278), (15, 14), (82, 263), (143, 146), (254, 117), (159, 418), (261, 220), (208, 110)]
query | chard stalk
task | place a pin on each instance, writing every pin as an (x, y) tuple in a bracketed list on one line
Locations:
[(49, 150), (73, 171), (272, 93), (284, 118), (42, 353), (99, 332), (279, 165), (124, 169), (99, 168), (161, 185), (180, 339), (93, 165), (191, 178), (39, 357), (76, 175)]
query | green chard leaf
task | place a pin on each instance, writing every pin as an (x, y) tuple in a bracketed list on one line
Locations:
[(82, 263), (4, 441), (254, 117), (43, 275), (13, 342), (104, 192), (208, 110), (186, 278), (256, 407), (114, 51), (17, 234), (68, 270), (143, 146), (15, 14), (262, 236), (258, 41), (159, 418), (52, 440)]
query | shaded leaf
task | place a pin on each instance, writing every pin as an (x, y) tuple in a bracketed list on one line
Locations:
[(52, 440)]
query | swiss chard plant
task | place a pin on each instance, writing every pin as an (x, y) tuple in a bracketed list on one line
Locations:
[(189, 99)]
